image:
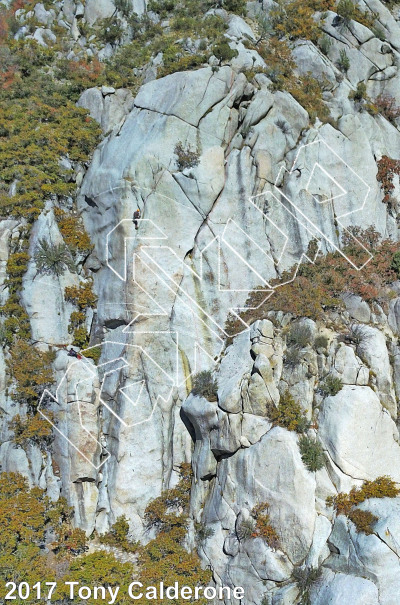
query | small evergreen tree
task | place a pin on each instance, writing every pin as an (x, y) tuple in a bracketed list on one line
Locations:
[(223, 52), (124, 7), (53, 259)]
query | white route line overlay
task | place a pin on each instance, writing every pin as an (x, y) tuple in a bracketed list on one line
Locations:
[(91, 373), (297, 214), (309, 226)]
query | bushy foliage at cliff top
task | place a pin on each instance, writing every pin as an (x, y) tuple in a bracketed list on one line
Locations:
[(39, 125)]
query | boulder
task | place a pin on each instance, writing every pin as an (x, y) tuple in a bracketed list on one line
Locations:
[(95, 10), (42, 15), (373, 351), (165, 95), (44, 37), (309, 58), (342, 589), (359, 434), (239, 29), (203, 422), (374, 556), (358, 309), (349, 368), (234, 365), (107, 106)]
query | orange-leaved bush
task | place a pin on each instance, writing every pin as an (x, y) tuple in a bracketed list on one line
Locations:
[(31, 371), (387, 170), (318, 286), (344, 504)]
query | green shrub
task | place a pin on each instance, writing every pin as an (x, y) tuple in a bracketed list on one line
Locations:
[(38, 126), (306, 578), (325, 43), (235, 6), (73, 231), (120, 69), (37, 541), (167, 553), (346, 10), (264, 28), (278, 57), (246, 529), (187, 19), (124, 7), (395, 264), (312, 453), (358, 334), (180, 61), (93, 353), (296, 19), (82, 296), (205, 385), (344, 61), (307, 91), (349, 11), (53, 259), (170, 509), (16, 267), (3, 335), (300, 335), (162, 7), (70, 541), (292, 357), (167, 556), (29, 520), (81, 337), (97, 569), (223, 52), (110, 30), (77, 318), (289, 414), (186, 158), (203, 533), (331, 386), (360, 94), (16, 322), (321, 342)]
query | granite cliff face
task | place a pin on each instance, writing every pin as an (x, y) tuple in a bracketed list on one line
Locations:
[(255, 181)]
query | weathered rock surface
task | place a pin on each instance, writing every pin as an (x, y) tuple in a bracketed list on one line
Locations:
[(353, 425), (214, 227)]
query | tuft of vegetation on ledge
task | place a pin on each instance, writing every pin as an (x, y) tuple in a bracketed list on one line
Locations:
[(344, 504)]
